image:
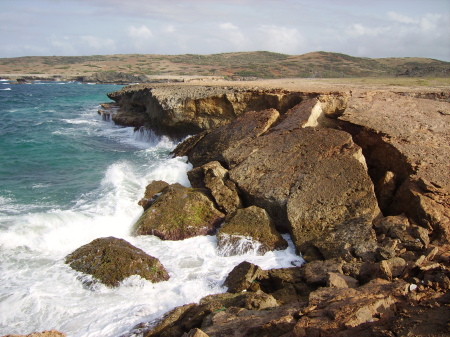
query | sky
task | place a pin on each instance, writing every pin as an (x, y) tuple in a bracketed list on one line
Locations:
[(365, 28)]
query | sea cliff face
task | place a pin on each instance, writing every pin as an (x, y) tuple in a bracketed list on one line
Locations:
[(360, 181)]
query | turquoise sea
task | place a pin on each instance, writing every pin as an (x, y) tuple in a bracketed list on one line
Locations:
[(68, 177)]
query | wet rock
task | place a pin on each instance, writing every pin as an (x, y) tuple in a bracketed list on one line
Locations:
[(151, 193), (257, 300), (242, 276), (112, 260), (249, 229), (214, 177), (179, 213)]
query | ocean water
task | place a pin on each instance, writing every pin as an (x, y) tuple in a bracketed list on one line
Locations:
[(68, 177)]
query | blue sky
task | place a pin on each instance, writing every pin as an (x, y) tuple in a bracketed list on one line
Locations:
[(382, 28)]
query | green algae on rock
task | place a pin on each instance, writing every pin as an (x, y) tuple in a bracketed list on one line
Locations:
[(111, 260), (249, 228), (179, 213)]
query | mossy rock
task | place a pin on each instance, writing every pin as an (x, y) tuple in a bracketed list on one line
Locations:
[(111, 260), (179, 213), (249, 229)]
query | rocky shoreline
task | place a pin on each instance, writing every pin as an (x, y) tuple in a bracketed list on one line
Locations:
[(358, 178)]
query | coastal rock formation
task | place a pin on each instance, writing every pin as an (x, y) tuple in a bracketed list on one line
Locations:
[(179, 111), (249, 229), (179, 213), (360, 181), (112, 260)]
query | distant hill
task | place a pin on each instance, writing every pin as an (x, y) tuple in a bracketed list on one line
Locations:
[(260, 64)]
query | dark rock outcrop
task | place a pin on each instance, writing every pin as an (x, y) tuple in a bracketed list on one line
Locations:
[(111, 260), (249, 229), (179, 213)]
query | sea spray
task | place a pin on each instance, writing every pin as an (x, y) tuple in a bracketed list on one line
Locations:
[(67, 178)]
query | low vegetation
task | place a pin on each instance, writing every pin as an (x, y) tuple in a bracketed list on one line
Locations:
[(260, 64)]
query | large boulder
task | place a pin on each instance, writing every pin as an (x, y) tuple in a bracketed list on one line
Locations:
[(111, 260), (249, 229), (179, 213), (308, 179), (212, 145)]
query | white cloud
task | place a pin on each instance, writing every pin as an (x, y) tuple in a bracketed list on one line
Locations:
[(228, 26), (98, 43), (401, 18), (140, 32), (170, 29), (281, 39)]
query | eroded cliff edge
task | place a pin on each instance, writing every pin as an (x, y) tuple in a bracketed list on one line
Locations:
[(375, 265)]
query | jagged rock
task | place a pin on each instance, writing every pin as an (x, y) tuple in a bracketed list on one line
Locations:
[(316, 272), (331, 310), (393, 267), (111, 260), (249, 229), (214, 177), (412, 237), (239, 322), (242, 276), (179, 213), (258, 300), (151, 192), (426, 205), (212, 145), (47, 333)]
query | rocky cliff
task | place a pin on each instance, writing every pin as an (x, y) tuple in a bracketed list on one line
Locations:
[(358, 178)]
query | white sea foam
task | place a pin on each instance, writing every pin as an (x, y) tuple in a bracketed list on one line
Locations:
[(40, 292), (6, 89)]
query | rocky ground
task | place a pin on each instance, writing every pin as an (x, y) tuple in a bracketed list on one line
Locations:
[(357, 175)]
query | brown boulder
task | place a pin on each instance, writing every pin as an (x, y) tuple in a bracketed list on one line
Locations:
[(179, 213), (214, 177), (242, 276), (212, 145), (247, 230), (111, 260)]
